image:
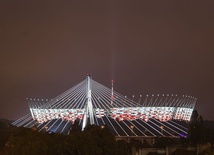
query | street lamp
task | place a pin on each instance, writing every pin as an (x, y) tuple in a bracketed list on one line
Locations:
[(162, 128), (132, 128), (46, 128)]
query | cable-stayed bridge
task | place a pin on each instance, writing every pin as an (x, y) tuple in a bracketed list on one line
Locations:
[(90, 102)]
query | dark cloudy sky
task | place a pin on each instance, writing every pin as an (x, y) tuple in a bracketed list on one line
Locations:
[(147, 47)]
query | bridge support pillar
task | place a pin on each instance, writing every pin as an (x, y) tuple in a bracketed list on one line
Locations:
[(89, 107)]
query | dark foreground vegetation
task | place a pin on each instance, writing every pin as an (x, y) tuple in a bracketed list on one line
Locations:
[(92, 141)]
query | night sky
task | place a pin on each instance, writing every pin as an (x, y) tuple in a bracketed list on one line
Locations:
[(147, 47)]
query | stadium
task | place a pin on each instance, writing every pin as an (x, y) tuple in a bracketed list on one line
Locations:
[(90, 102)]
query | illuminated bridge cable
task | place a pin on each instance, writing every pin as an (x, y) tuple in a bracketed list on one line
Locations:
[(146, 128), (173, 122), (165, 127), (184, 131), (20, 120), (105, 101)]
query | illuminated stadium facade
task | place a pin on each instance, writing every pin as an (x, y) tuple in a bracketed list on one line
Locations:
[(89, 102)]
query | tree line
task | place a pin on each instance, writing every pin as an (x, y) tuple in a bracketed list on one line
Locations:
[(92, 141)]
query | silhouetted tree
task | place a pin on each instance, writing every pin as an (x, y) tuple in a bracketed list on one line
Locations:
[(195, 127)]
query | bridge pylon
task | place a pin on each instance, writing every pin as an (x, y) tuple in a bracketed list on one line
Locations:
[(89, 107)]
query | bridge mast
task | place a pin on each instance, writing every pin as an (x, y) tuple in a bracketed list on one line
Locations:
[(89, 107)]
